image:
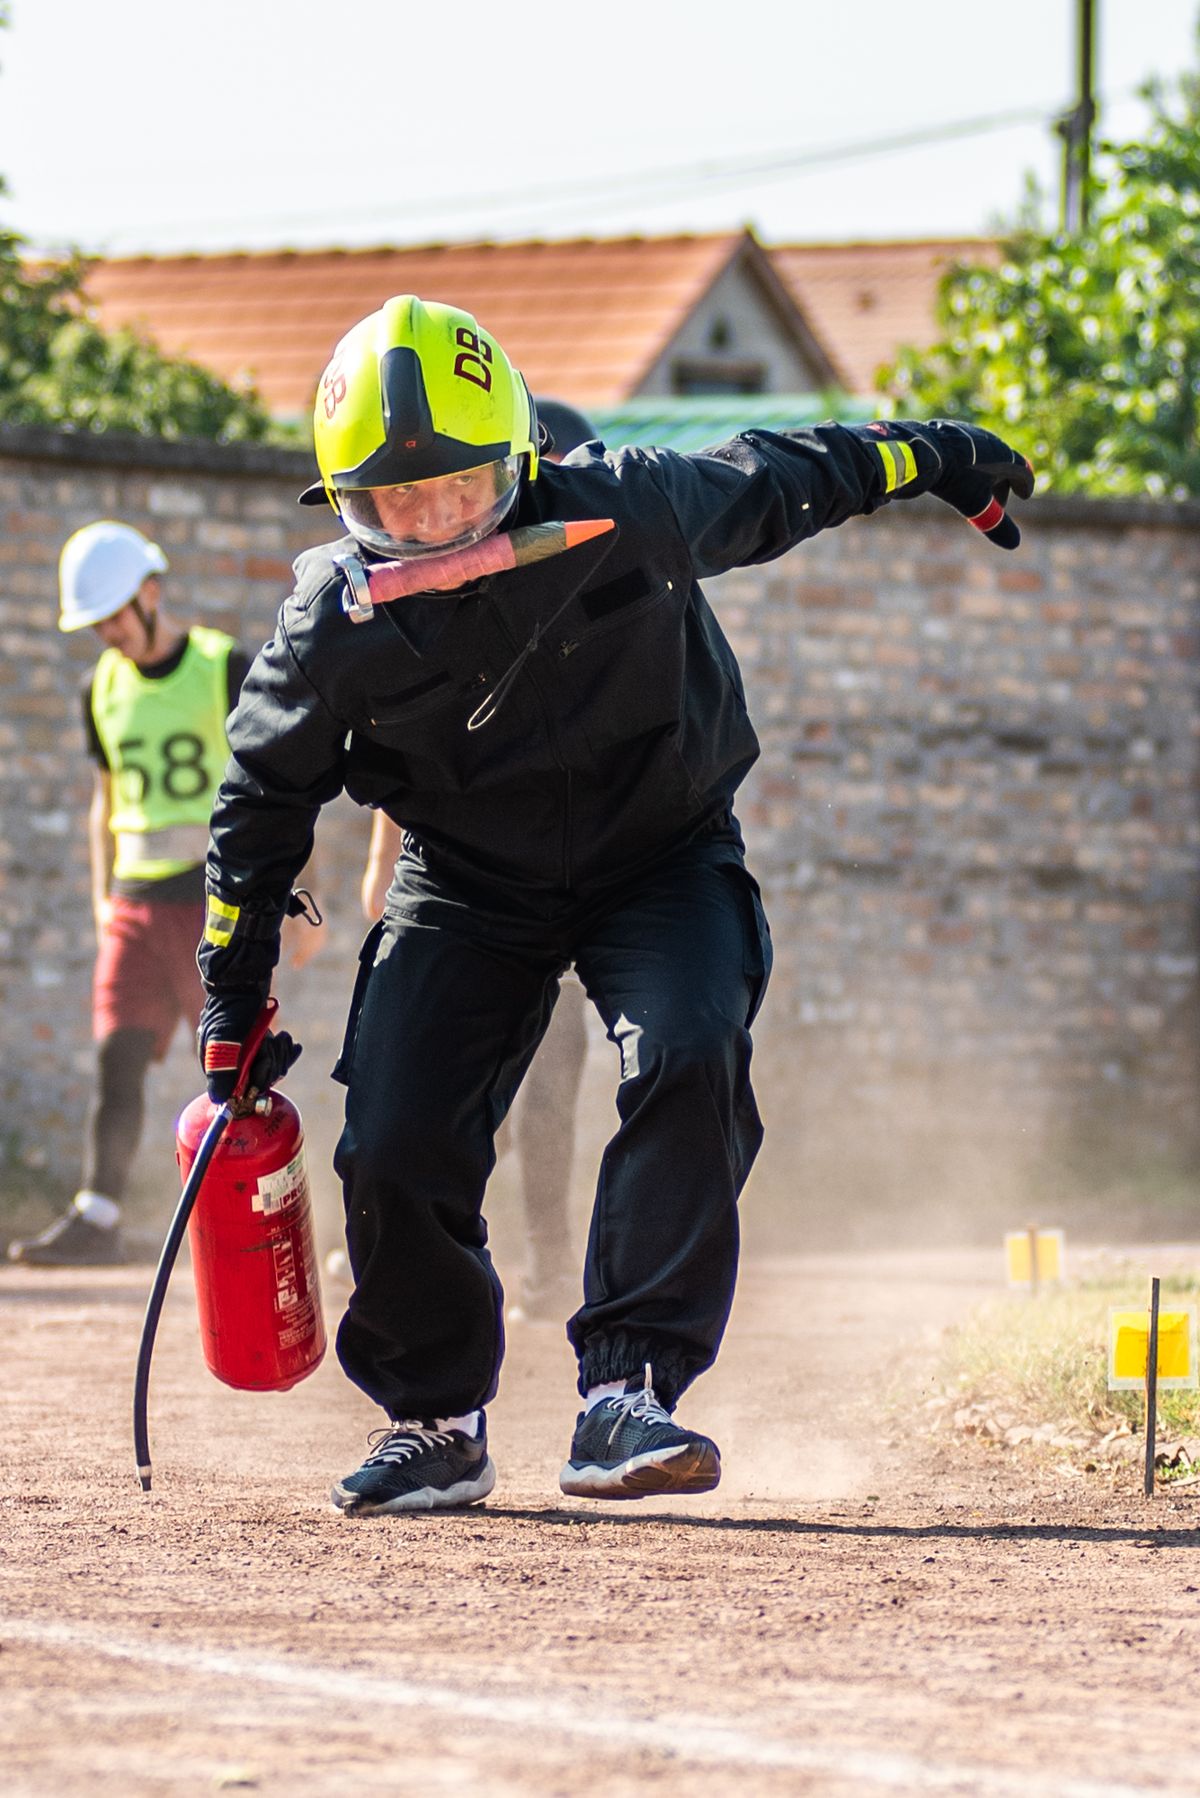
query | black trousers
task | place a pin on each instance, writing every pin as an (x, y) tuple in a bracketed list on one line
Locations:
[(455, 991), (543, 1126)]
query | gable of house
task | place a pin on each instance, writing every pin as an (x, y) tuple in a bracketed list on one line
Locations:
[(745, 335)]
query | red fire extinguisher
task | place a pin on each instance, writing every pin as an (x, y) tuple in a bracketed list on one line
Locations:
[(248, 1213)]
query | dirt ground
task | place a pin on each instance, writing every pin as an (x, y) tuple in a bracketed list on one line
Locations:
[(858, 1609)]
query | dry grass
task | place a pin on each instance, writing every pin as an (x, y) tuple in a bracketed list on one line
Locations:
[(1045, 1359)]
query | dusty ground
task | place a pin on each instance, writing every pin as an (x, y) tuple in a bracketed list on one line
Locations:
[(856, 1610)]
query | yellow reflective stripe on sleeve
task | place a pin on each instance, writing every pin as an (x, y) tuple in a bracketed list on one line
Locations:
[(899, 464), (221, 922), (887, 456)]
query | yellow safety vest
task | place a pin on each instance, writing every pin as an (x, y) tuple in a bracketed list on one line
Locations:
[(166, 748)]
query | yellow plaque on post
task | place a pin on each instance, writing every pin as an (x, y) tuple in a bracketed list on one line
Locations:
[(1050, 1256), (1129, 1347)]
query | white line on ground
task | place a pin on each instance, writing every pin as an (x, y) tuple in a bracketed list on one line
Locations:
[(683, 1738)]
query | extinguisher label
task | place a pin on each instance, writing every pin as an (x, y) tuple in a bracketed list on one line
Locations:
[(275, 1192), (287, 1293)]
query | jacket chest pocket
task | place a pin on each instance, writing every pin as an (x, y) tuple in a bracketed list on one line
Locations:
[(422, 698), (616, 605), (622, 666)]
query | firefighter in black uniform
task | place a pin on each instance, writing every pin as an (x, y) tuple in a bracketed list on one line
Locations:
[(562, 741), (542, 1123)]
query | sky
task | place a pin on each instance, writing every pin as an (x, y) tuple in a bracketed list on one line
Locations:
[(150, 126)]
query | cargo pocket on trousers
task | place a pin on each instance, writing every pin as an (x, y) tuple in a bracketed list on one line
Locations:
[(758, 954), (366, 961)]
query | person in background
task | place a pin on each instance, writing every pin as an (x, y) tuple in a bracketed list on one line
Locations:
[(154, 714), (543, 1118), (518, 662)]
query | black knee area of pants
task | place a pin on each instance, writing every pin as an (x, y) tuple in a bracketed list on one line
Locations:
[(712, 1052), (122, 1060), (412, 1150), (115, 1121)]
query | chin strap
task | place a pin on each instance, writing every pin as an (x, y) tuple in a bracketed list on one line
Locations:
[(147, 620)]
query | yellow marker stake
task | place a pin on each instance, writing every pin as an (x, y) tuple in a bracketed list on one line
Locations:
[(1129, 1349), (1151, 1349), (1034, 1258)]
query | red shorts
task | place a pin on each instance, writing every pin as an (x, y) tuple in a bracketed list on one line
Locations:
[(146, 976)]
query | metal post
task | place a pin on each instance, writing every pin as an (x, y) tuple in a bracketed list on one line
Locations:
[(1075, 127), (1151, 1389)]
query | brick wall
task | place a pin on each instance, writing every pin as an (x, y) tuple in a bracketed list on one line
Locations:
[(976, 821), (977, 817), (228, 521)]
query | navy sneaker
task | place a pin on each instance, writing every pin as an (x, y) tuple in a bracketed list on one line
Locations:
[(414, 1466), (71, 1241), (631, 1447)]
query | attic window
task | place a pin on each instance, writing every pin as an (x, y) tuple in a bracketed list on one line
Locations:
[(720, 334), (697, 376)]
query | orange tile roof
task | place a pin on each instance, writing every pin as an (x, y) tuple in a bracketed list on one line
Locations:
[(583, 319), (864, 300)]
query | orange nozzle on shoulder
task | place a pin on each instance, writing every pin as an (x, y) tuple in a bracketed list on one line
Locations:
[(581, 530)]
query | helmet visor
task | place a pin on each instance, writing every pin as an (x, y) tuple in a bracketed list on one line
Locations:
[(430, 518)]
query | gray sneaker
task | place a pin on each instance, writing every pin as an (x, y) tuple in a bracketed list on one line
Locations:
[(414, 1466), (71, 1241), (631, 1447)]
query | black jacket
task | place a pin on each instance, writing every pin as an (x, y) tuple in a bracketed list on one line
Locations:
[(623, 733)]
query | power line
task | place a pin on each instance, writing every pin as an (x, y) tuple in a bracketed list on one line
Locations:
[(655, 184)]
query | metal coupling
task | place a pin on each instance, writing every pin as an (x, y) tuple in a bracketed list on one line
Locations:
[(357, 603)]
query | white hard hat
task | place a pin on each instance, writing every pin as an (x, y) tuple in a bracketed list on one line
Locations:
[(100, 569)]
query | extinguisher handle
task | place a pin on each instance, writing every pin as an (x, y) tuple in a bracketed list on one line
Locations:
[(253, 1044)]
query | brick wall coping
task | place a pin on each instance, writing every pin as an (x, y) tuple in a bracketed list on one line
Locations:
[(201, 456), (1076, 510), (192, 455)]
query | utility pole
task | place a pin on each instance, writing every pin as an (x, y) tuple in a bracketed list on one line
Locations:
[(1075, 127)]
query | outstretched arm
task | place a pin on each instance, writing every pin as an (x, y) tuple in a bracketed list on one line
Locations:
[(763, 492)]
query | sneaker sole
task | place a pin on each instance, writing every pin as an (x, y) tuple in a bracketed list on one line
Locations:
[(692, 1467), (426, 1498), (21, 1258)]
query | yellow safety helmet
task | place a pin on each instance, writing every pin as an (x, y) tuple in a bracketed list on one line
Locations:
[(413, 393)]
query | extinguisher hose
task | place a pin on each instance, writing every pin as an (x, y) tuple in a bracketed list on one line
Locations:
[(158, 1292), (238, 1101)]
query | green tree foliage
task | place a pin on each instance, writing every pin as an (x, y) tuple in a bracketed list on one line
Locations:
[(57, 367), (1086, 352)]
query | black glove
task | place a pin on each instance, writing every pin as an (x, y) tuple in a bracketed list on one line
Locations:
[(971, 469), (225, 1023)]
